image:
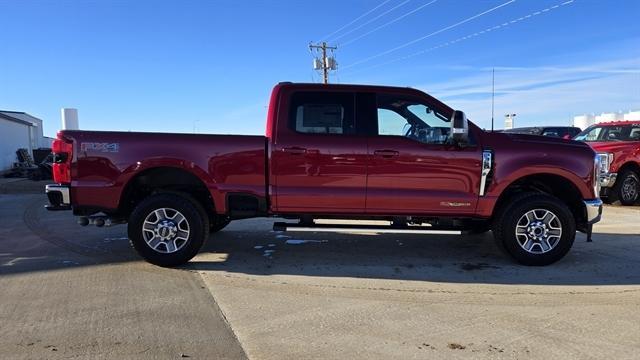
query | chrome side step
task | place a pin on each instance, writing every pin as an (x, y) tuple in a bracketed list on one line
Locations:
[(340, 228)]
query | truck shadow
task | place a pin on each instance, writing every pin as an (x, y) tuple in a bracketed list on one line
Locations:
[(42, 241), (611, 259)]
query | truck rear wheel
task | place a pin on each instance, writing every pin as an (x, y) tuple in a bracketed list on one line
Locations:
[(168, 229), (535, 229)]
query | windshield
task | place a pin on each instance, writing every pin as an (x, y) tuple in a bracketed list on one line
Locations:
[(629, 132)]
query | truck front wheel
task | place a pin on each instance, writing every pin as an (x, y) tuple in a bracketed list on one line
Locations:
[(168, 229), (627, 188), (535, 229)]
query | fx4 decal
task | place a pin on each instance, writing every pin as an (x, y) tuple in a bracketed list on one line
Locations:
[(100, 147)]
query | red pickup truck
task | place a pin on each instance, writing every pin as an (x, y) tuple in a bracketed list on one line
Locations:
[(618, 144), (395, 155)]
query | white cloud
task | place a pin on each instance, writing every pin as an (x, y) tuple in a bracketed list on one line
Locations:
[(544, 95)]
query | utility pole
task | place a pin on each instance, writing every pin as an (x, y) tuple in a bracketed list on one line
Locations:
[(493, 94), (326, 63)]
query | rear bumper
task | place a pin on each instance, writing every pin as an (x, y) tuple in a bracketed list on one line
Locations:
[(59, 198), (594, 210)]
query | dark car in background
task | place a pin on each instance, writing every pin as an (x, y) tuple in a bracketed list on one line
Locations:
[(552, 131)]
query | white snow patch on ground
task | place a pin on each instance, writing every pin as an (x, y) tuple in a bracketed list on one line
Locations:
[(299, 242), (268, 253), (258, 247), (109, 239)]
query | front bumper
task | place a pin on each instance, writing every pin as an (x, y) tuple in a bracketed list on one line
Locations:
[(594, 210), (608, 179), (59, 198)]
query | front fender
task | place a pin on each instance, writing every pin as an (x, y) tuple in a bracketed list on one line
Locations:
[(499, 185), (505, 177)]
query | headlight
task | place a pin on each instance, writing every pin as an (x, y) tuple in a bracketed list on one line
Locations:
[(605, 160), (601, 166), (597, 166)]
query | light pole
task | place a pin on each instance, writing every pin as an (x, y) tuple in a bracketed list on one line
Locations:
[(509, 121)]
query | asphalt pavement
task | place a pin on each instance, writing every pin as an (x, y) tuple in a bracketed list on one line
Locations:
[(81, 292), (73, 292)]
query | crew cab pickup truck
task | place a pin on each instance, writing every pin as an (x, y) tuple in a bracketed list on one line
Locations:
[(394, 155), (618, 144)]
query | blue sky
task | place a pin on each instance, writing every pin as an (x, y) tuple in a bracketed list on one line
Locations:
[(210, 65)]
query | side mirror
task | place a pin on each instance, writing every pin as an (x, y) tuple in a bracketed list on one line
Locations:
[(459, 128)]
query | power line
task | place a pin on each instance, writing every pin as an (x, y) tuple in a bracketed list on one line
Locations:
[(467, 37), (355, 20), (313, 58), (371, 20), (390, 22), (429, 35)]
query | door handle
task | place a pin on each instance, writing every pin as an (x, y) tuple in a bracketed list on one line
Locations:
[(386, 153), (295, 150)]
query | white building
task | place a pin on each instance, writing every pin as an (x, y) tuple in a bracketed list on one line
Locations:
[(584, 121), (19, 130)]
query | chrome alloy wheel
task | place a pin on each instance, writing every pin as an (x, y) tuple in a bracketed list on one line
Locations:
[(538, 231), (630, 189), (165, 230)]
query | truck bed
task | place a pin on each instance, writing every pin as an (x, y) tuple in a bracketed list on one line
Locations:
[(105, 162)]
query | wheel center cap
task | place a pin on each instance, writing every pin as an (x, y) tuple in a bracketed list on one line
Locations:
[(537, 230), (166, 230)]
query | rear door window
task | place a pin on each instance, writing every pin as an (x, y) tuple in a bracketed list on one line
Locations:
[(322, 113)]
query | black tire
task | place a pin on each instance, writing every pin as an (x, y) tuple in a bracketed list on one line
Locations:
[(515, 209), (197, 225), (218, 223), (627, 188)]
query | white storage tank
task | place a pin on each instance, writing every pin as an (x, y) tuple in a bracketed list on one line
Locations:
[(632, 115), (69, 119), (584, 121), (608, 117)]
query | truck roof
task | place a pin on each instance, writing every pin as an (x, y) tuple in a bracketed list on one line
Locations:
[(619, 122), (347, 87), (358, 88)]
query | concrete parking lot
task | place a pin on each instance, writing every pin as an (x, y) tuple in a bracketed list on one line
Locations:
[(69, 291)]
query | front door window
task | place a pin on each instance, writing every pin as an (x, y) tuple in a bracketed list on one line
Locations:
[(412, 119)]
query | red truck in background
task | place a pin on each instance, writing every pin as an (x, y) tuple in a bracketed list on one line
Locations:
[(391, 154), (618, 144)]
